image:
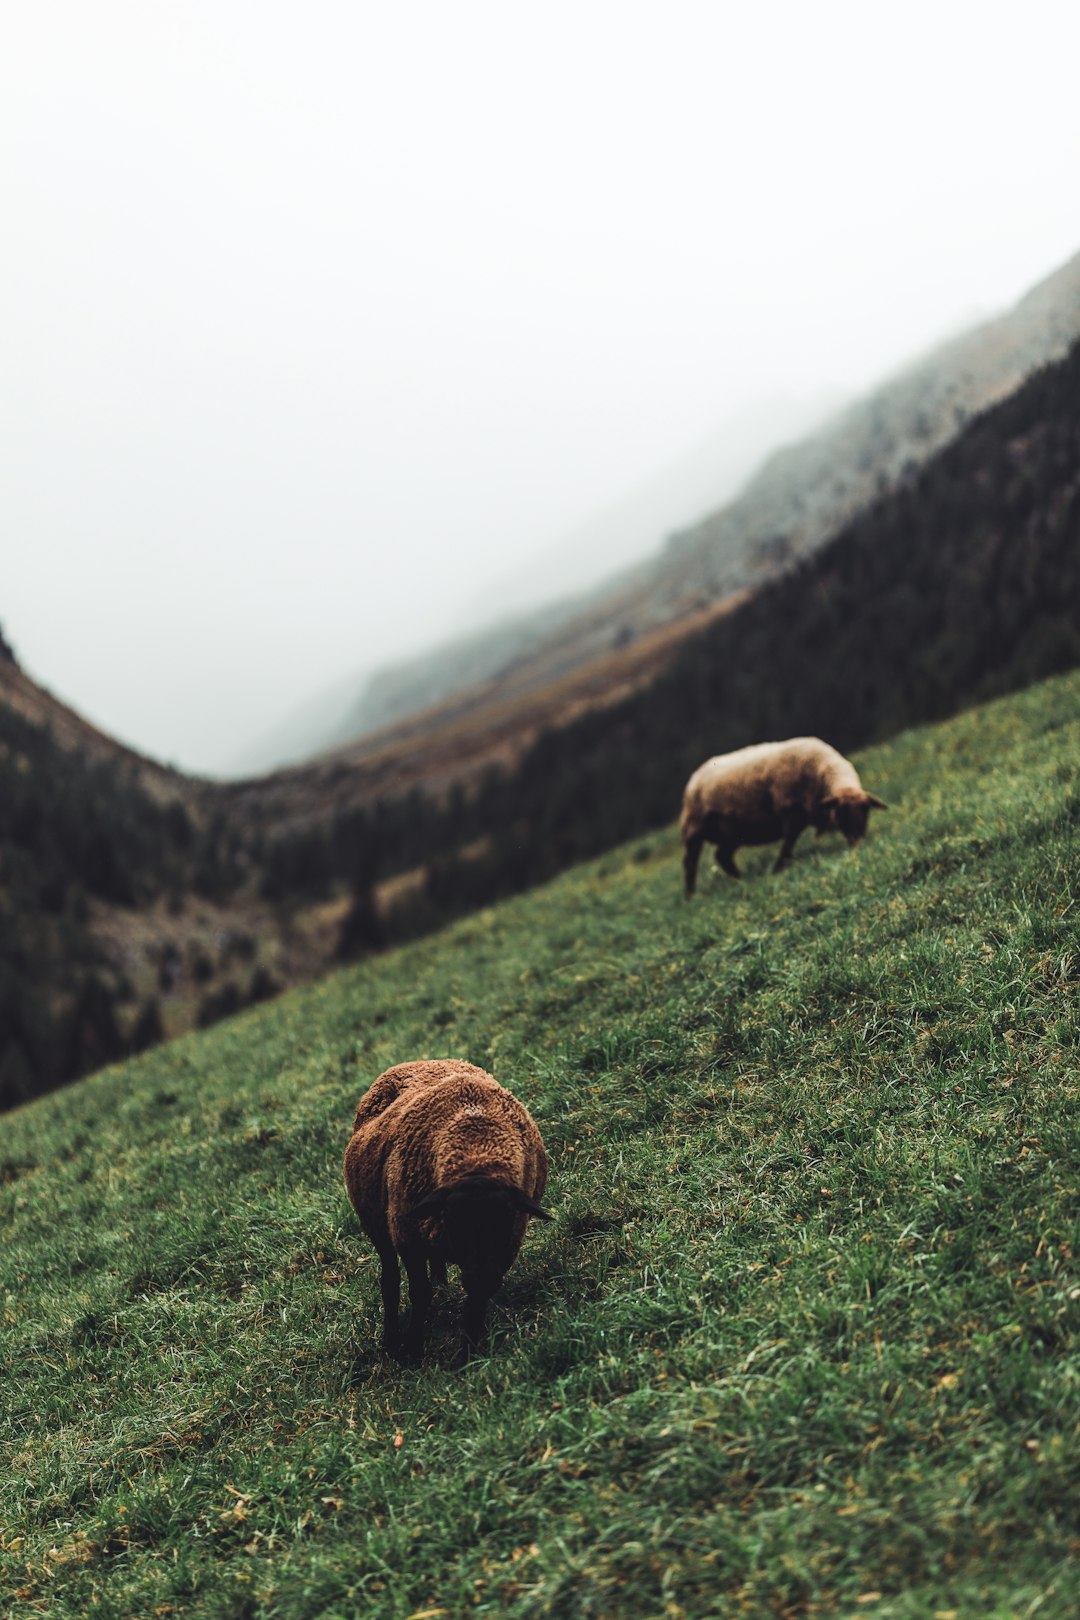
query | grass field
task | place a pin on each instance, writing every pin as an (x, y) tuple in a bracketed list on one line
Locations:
[(803, 1338)]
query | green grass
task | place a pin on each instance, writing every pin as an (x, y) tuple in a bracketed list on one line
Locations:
[(802, 1339)]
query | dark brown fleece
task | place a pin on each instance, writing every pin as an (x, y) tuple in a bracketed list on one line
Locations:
[(426, 1127)]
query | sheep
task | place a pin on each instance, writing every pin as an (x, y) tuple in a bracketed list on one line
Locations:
[(769, 791), (444, 1166)]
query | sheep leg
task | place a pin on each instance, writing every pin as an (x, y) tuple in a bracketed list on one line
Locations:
[(390, 1283), (437, 1269), (473, 1322), (420, 1292), (790, 839), (725, 857), (691, 856)]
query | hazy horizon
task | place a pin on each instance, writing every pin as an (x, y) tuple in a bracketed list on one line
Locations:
[(319, 329)]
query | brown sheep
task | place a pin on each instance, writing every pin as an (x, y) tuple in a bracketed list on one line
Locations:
[(769, 791), (444, 1167)]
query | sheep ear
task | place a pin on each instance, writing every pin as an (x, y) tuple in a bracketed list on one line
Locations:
[(872, 802), (432, 1204), (529, 1206), (830, 803)]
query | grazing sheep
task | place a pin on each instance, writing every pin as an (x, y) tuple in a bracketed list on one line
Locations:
[(444, 1167), (769, 791)]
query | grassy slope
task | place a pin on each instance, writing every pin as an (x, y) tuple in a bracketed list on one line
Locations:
[(803, 1337)]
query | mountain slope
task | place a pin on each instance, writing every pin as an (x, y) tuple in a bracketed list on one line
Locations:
[(803, 493), (627, 531), (799, 498), (127, 909), (804, 1334), (84, 824), (562, 578), (32, 704)]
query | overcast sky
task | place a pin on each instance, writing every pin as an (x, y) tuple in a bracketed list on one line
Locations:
[(319, 318)]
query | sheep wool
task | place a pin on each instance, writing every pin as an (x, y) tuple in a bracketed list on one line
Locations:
[(445, 1166), (769, 791)]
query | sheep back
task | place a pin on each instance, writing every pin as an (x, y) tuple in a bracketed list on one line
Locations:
[(425, 1125), (757, 786)]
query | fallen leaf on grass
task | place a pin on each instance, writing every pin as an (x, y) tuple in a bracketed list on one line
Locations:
[(79, 1550), (238, 1513)]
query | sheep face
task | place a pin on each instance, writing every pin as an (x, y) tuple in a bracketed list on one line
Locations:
[(479, 1223), (849, 813), (482, 1222)]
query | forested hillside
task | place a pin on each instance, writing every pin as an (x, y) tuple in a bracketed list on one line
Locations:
[(802, 1340), (80, 829)]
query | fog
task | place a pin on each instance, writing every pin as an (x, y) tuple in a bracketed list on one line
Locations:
[(323, 324)]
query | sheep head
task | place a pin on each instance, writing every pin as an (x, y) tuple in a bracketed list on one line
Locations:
[(480, 1193), (848, 813), (481, 1223)]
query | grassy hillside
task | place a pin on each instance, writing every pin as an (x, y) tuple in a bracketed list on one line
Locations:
[(803, 1338)]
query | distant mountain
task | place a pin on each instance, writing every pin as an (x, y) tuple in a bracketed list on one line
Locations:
[(798, 498), (322, 719), (561, 578), (803, 493), (629, 530)]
